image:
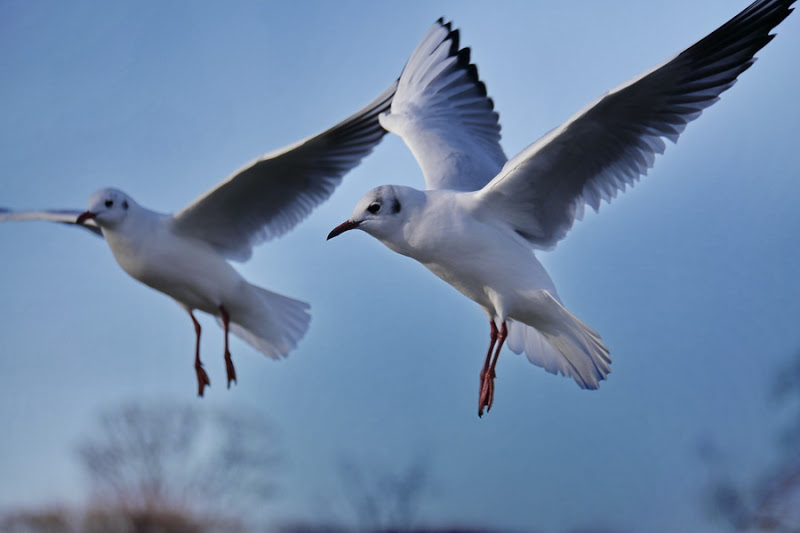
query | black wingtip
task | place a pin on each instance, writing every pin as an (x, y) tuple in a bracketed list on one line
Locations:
[(464, 56), (454, 38)]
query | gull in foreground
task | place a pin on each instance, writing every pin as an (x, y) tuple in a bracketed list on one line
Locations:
[(482, 215), (184, 255)]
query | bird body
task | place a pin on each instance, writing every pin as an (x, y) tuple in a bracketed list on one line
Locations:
[(456, 238), (444, 231), (189, 270)]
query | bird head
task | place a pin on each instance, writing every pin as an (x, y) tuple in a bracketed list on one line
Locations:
[(108, 207), (380, 212)]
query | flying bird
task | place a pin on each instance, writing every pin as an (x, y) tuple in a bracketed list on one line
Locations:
[(185, 255), (482, 215)]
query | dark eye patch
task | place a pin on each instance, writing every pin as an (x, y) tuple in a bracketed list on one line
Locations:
[(374, 208), (109, 203), (124, 204)]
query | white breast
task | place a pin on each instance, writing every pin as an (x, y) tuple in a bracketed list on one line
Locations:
[(188, 270)]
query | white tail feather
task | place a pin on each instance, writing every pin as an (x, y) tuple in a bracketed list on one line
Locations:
[(562, 344), (269, 322)]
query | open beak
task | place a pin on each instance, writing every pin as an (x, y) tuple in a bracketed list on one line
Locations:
[(341, 228), (83, 217)]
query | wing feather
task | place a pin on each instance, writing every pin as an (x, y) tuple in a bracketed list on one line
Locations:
[(610, 144), (269, 196), (443, 114), (62, 216)]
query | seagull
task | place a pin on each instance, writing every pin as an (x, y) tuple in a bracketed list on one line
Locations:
[(185, 255), (482, 215)]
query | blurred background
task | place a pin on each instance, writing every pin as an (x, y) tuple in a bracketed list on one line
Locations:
[(371, 424)]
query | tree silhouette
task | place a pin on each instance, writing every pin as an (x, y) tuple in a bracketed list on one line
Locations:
[(382, 499), (159, 459), (167, 468), (770, 503)]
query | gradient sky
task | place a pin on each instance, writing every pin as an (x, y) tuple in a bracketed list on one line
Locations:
[(691, 277)]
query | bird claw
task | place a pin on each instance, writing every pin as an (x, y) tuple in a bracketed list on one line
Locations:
[(229, 369), (486, 394), (202, 380)]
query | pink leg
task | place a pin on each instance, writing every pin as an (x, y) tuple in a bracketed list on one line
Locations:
[(229, 369), (488, 373), (202, 377)]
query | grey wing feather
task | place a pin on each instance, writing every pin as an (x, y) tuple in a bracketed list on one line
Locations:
[(269, 196), (62, 216), (613, 142), (443, 114)]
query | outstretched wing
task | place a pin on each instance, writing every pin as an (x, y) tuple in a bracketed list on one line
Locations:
[(269, 196), (611, 143), (63, 216), (443, 114)]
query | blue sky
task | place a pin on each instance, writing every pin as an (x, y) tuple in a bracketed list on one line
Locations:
[(691, 277)]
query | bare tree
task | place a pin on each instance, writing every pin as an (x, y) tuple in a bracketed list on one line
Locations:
[(385, 500), (164, 458)]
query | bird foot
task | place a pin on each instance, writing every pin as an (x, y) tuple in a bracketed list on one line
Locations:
[(229, 369), (487, 392), (202, 379)]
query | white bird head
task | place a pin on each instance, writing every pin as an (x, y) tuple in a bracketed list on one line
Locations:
[(108, 207), (380, 212)]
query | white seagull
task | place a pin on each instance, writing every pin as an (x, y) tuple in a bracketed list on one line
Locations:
[(184, 254), (482, 215)]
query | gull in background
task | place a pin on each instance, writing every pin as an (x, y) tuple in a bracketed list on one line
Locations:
[(481, 217), (184, 255)]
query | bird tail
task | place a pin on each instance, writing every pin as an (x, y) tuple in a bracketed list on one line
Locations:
[(269, 322), (561, 344)]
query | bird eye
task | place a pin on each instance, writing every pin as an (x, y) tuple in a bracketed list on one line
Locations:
[(109, 203), (374, 208)]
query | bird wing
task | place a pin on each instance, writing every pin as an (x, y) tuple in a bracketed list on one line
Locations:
[(269, 196), (443, 114), (63, 216), (611, 143)]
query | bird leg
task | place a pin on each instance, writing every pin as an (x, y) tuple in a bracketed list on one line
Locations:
[(202, 377), (488, 373), (483, 391), (229, 368), (487, 362)]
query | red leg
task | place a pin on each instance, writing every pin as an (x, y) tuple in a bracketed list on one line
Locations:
[(486, 363), (487, 386), (229, 369), (202, 377)]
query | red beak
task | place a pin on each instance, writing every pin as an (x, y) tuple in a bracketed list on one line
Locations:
[(341, 228), (85, 216)]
